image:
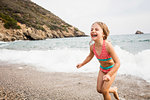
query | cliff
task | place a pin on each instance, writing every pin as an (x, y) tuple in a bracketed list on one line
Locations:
[(25, 20)]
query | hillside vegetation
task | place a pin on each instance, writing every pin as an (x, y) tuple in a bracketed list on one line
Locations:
[(16, 12)]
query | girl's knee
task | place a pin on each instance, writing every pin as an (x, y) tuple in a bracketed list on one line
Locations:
[(104, 91), (99, 90)]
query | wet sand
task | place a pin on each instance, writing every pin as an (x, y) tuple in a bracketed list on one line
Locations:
[(19, 82)]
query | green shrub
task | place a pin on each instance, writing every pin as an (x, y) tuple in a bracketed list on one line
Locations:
[(9, 22), (40, 28), (65, 28), (54, 27), (76, 29)]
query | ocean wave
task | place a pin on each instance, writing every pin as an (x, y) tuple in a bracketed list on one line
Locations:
[(65, 60), (147, 40), (2, 44), (131, 41)]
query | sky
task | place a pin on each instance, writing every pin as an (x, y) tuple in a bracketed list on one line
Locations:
[(121, 16)]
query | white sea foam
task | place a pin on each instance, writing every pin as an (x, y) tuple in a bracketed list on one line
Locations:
[(3, 43), (65, 60)]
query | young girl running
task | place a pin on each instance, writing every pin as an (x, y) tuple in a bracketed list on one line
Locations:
[(109, 62)]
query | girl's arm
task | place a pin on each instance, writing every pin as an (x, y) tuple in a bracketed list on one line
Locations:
[(88, 58), (115, 59)]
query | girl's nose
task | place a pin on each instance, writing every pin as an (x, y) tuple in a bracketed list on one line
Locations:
[(93, 31)]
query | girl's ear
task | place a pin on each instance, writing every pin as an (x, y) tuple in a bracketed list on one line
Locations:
[(103, 35)]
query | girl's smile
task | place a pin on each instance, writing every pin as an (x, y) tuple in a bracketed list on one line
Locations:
[(94, 35)]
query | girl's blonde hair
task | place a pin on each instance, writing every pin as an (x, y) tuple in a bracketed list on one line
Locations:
[(104, 28)]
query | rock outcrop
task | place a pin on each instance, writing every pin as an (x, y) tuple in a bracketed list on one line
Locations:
[(30, 33), (138, 32)]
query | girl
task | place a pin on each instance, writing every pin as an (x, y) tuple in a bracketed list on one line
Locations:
[(109, 62)]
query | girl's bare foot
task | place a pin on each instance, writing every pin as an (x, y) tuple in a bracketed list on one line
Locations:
[(115, 93)]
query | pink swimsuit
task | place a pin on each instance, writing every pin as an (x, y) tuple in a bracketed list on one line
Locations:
[(104, 56)]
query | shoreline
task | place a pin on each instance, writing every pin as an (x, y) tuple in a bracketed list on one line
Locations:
[(25, 82)]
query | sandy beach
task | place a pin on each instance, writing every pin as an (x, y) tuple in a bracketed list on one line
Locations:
[(23, 82)]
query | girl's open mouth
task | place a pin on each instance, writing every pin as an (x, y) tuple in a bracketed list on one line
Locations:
[(94, 35)]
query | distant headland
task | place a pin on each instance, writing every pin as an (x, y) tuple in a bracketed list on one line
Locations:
[(138, 32), (25, 20)]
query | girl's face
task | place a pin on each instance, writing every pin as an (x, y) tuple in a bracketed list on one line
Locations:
[(96, 32)]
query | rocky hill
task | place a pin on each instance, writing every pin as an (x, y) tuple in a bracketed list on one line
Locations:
[(138, 32), (25, 20)]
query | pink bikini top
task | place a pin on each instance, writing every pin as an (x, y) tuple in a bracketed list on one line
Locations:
[(104, 56)]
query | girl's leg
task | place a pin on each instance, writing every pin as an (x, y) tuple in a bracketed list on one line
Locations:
[(106, 88), (114, 91), (100, 84), (100, 81)]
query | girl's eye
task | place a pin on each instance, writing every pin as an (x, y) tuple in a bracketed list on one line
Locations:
[(97, 29), (91, 29)]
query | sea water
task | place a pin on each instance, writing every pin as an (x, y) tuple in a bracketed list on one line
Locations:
[(63, 54)]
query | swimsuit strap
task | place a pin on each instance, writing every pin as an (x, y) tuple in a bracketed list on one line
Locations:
[(95, 51), (104, 51)]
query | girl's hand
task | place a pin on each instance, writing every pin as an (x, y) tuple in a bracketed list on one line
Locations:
[(106, 78), (79, 65)]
